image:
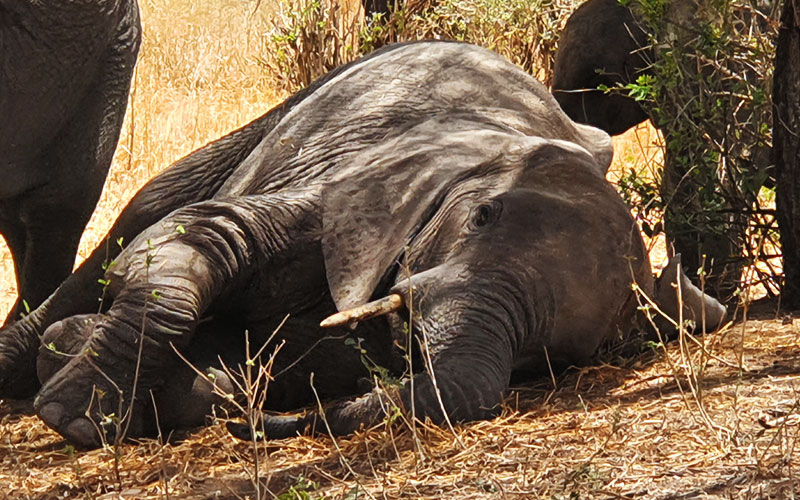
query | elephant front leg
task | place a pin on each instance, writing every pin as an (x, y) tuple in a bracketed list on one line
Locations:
[(161, 286), (43, 257), (187, 398)]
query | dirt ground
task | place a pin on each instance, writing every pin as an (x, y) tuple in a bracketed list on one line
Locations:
[(713, 417)]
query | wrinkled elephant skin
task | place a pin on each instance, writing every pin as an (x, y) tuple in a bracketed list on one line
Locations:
[(65, 72), (435, 173)]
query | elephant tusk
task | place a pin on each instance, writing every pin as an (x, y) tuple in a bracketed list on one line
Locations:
[(372, 309)]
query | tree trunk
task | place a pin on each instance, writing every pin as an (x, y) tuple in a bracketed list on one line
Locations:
[(786, 147)]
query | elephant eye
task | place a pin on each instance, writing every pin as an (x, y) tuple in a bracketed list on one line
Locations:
[(486, 213)]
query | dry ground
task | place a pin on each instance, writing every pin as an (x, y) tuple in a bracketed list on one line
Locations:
[(637, 429), (632, 430)]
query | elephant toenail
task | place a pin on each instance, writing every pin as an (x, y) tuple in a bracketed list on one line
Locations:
[(52, 413), (82, 433)]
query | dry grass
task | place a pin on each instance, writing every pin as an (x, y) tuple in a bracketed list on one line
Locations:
[(641, 149), (603, 432), (624, 431)]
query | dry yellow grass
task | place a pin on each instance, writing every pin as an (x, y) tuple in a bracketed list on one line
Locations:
[(631, 431), (641, 149)]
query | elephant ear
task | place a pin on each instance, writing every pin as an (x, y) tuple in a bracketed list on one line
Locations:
[(380, 196), (381, 199), (366, 223)]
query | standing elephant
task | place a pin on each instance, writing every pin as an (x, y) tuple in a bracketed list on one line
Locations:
[(601, 45), (65, 72), (436, 174)]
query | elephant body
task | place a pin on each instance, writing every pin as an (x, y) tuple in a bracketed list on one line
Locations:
[(435, 172), (65, 72)]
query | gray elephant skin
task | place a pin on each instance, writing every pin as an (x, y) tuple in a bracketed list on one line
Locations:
[(435, 171), (65, 72)]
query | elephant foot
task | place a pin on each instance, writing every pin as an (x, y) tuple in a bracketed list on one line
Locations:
[(80, 431), (82, 404), (80, 401), (85, 396)]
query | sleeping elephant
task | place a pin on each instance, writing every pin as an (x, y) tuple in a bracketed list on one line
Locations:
[(434, 177), (65, 72)]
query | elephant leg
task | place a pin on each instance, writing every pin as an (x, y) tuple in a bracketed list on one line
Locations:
[(196, 385), (192, 179), (72, 166), (43, 238), (161, 285), (53, 224), (51, 218), (14, 235)]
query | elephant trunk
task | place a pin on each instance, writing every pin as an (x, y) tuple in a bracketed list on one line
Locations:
[(461, 390), (468, 340)]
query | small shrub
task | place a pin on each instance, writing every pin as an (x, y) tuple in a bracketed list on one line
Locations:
[(524, 31), (307, 39), (311, 37)]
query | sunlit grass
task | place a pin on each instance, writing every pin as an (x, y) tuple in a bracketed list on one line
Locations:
[(197, 78)]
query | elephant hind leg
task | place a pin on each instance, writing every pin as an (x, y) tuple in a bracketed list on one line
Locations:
[(201, 378), (190, 397)]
